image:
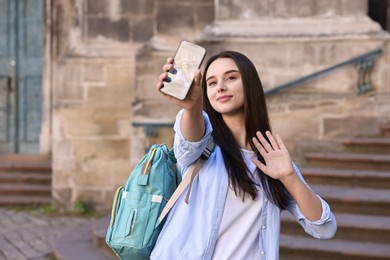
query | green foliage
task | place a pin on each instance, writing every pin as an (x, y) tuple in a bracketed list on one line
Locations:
[(52, 257), (47, 209), (81, 207)]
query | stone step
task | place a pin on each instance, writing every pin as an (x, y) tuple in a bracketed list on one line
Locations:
[(25, 162), (25, 201), (24, 158), (346, 177), (24, 177), (385, 130), (367, 145), (25, 189), (78, 243), (25, 166), (294, 247), (374, 162), (100, 230), (25, 180), (355, 200), (352, 227)]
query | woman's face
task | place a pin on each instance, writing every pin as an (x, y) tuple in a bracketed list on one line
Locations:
[(224, 87)]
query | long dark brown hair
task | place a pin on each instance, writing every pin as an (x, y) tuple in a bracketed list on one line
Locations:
[(256, 119)]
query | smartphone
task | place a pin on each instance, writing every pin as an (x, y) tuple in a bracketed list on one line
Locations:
[(188, 58)]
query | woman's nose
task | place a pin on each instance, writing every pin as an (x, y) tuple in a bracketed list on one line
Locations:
[(221, 87)]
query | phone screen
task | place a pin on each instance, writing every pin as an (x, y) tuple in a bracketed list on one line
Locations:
[(187, 60)]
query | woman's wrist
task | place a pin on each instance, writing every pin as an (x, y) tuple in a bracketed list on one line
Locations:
[(290, 180), (192, 124)]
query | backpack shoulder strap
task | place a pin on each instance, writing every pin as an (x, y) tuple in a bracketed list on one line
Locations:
[(193, 171)]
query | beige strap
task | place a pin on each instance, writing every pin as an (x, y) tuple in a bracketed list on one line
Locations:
[(193, 171), (198, 164)]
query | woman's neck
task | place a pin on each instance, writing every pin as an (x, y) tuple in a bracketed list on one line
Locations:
[(236, 124)]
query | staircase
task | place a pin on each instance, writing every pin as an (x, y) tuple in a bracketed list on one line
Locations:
[(356, 184), (25, 180)]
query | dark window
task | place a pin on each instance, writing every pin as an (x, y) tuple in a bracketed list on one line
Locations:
[(379, 11)]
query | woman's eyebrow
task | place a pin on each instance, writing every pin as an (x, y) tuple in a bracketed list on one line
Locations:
[(210, 78), (226, 72)]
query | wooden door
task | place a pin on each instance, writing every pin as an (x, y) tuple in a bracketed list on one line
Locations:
[(21, 48)]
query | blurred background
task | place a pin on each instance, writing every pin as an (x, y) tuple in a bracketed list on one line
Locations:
[(79, 107)]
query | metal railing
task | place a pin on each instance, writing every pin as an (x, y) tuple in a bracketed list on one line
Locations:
[(150, 128), (364, 65)]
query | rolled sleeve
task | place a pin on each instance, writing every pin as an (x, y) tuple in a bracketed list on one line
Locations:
[(187, 152), (325, 227)]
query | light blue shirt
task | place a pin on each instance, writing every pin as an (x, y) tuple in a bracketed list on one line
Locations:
[(191, 230)]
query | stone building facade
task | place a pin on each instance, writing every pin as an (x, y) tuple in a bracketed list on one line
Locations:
[(102, 58)]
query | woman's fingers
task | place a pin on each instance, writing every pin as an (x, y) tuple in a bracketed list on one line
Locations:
[(277, 161), (279, 141), (271, 138), (164, 76), (267, 147), (170, 60), (161, 78), (194, 97), (273, 143), (259, 165), (197, 77), (259, 147), (169, 65)]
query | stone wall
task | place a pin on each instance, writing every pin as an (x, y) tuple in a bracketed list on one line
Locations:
[(93, 75), (91, 71), (106, 57), (285, 9)]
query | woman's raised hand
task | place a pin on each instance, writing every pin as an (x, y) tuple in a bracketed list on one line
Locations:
[(194, 98), (277, 159)]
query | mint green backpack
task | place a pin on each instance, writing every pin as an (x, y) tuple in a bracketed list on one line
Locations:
[(139, 208)]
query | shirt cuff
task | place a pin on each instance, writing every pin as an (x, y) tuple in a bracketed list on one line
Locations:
[(325, 216), (185, 149)]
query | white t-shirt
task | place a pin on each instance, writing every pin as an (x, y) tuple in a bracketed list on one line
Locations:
[(239, 232)]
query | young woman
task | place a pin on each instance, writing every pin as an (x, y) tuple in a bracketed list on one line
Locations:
[(236, 199)]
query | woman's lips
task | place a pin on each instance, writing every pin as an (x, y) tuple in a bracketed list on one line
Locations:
[(224, 98)]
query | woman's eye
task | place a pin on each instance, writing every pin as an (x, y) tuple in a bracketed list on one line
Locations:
[(211, 84)]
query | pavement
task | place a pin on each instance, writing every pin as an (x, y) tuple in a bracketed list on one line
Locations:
[(31, 235)]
